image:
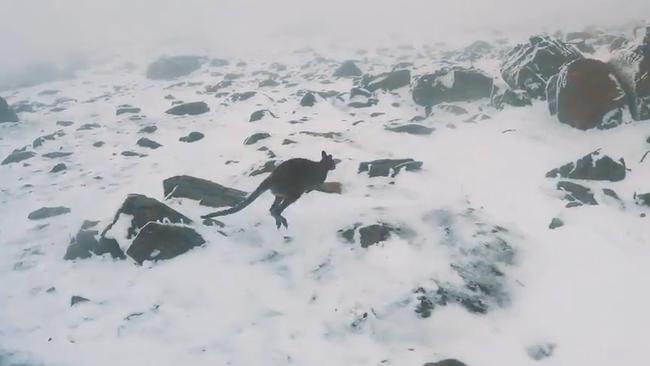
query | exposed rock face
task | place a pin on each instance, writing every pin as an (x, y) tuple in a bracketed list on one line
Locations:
[(157, 241), (593, 166), (47, 212), (192, 109), (348, 69), (206, 192), (6, 113), (168, 68), (388, 167), (585, 94), (631, 65), (387, 81), (456, 84), (529, 66)]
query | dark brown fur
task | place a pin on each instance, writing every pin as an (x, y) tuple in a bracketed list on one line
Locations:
[(287, 182)]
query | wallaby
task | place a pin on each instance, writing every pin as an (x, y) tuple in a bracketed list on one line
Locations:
[(287, 182)]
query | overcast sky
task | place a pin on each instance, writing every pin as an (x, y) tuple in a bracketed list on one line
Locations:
[(39, 30)]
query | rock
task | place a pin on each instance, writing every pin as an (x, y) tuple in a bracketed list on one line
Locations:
[(157, 241), (240, 97), (6, 113), (448, 85), (348, 69), (539, 352), (642, 199), (388, 167), (64, 123), (220, 85), (192, 137), (258, 115), (132, 153), (387, 81), (168, 68), (593, 166), (56, 154), (58, 168), (86, 243), (411, 128), (308, 100), (585, 94), (18, 155), (99, 144), (268, 167), (555, 223), (148, 129), (288, 142), (74, 300), (529, 66), (447, 362), (631, 65), (515, 98), (206, 192), (145, 142), (126, 108), (256, 137), (373, 234), (38, 142), (268, 83), (88, 126), (192, 109), (47, 212), (576, 194)]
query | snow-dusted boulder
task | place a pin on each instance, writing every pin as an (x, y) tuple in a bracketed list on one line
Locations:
[(586, 94), (448, 85), (593, 166), (529, 66), (156, 241), (387, 81), (631, 65), (206, 192), (6, 113), (192, 109), (168, 68)]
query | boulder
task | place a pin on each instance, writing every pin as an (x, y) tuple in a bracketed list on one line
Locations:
[(258, 115), (6, 113), (308, 100), (252, 139), (151, 144), (126, 108), (240, 97), (47, 212), (192, 137), (39, 141), (585, 94), (58, 168), (631, 65), (168, 68), (18, 155), (555, 223), (529, 66), (593, 166), (206, 192), (642, 199), (447, 362), (388, 167), (411, 128), (56, 154), (507, 96), (576, 194), (157, 241), (87, 242), (448, 85), (192, 109), (387, 81), (348, 69), (148, 129)]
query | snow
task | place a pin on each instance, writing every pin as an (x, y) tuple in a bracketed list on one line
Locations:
[(256, 297)]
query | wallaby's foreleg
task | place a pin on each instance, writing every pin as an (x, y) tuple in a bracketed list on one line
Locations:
[(277, 211)]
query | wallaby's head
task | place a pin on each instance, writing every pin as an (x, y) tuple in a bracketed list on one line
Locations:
[(327, 160)]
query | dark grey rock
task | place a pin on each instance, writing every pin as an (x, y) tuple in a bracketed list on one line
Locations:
[(411, 128), (86, 243), (258, 115), (642, 199), (387, 81), (126, 109), (98, 143), (389, 167), (240, 97), (50, 137), (575, 193), (555, 223), (268, 83), (256, 137), (168, 68), (192, 109), (74, 300), (206, 192), (308, 100), (374, 234), (58, 168), (88, 126), (593, 166), (539, 352), (192, 137), (132, 153), (506, 96), (148, 129), (348, 69), (7, 114), (47, 212), (56, 154), (151, 144), (18, 155), (219, 62), (157, 241), (447, 362), (448, 85), (220, 85), (452, 109), (64, 123)]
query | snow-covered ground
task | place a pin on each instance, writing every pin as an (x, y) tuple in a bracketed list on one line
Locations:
[(305, 296)]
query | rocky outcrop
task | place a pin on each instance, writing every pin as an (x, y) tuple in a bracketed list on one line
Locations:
[(631, 65), (168, 68), (348, 69), (529, 66), (576, 194), (47, 212), (593, 166), (585, 94), (206, 192), (156, 241), (448, 85), (258, 115), (6, 113), (388, 167), (387, 81), (192, 109)]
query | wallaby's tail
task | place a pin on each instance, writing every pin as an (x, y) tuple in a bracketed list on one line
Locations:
[(265, 185)]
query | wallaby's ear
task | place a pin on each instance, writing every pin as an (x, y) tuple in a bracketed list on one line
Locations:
[(323, 154)]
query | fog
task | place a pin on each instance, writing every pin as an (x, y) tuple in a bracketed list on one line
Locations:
[(73, 31)]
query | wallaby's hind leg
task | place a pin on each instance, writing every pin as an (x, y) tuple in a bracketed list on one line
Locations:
[(277, 211), (275, 204)]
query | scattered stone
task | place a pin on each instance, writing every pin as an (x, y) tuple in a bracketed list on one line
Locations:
[(576, 194), (148, 129), (7, 114), (98, 143), (192, 137), (585, 94), (268, 83), (168, 68), (448, 85), (88, 126), (348, 69), (387, 81), (18, 155), (374, 234), (540, 351), (258, 115), (412, 128), (145, 142), (74, 300), (327, 135), (593, 166), (192, 109), (220, 85), (58, 168), (85, 244), (47, 212), (206, 192), (125, 108), (531, 65), (40, 140), (288, 142), (56, 154), (642, 199), (64, 123), (133, 153), (452, 109), (252, 139), (555, 223), (447, 362), (389, 167), (157, 241), (308, 100), (240, 97)]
